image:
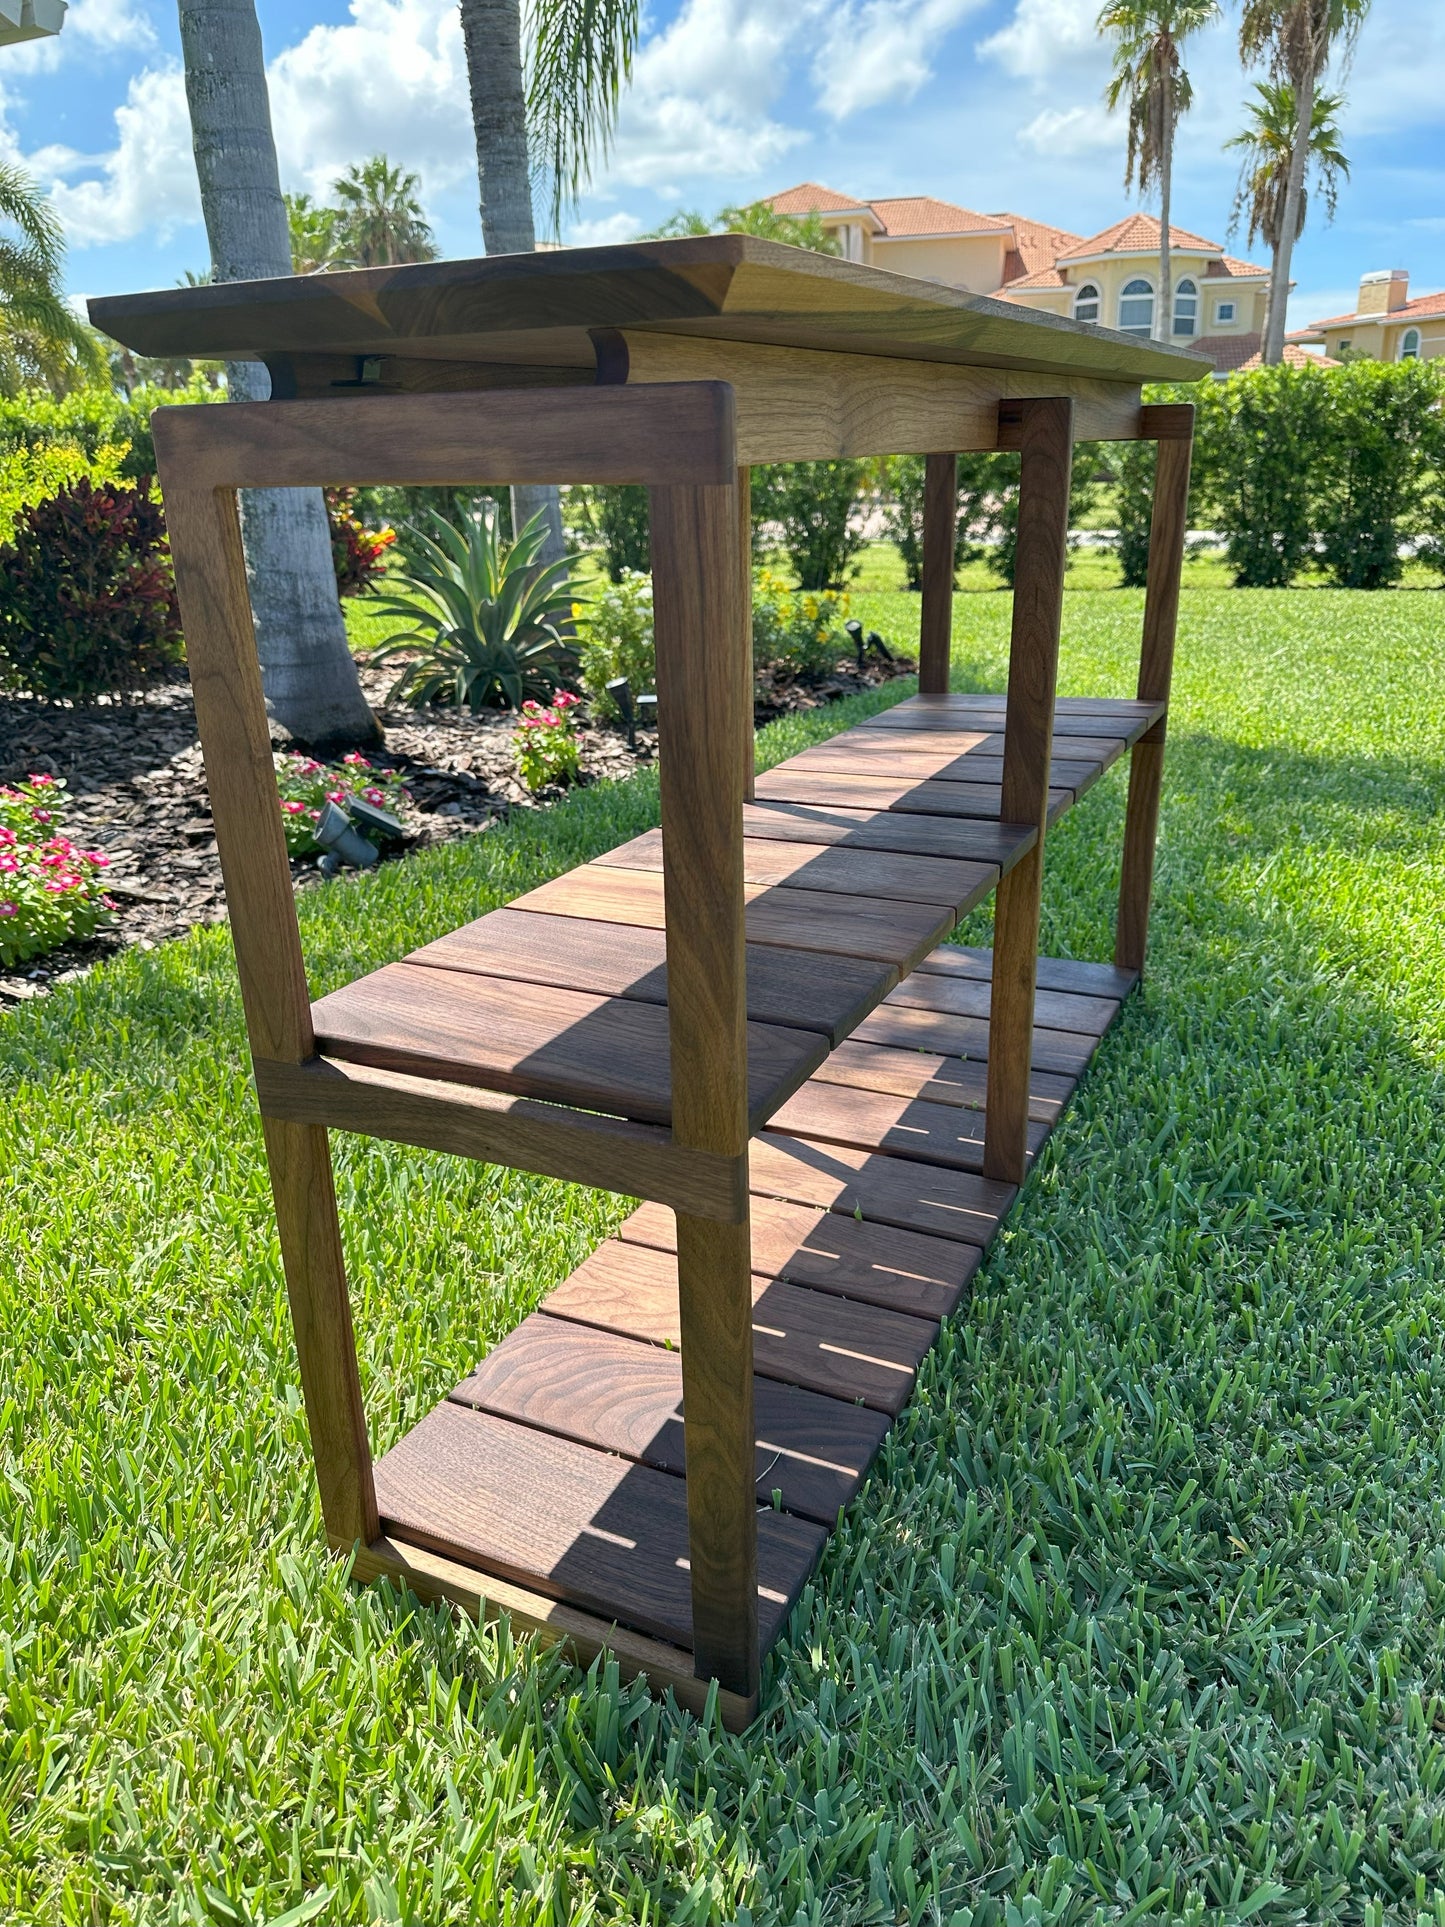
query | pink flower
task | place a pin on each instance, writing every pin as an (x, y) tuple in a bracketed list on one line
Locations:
[(42, 782), (43, 816), (356, 760), (293, 809), (8, 865), (98, 858), (7, 836), (9, 909), (564, 699), (336, 796), (374, 796)]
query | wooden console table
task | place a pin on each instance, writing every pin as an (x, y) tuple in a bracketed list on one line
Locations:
[(743, 1020)]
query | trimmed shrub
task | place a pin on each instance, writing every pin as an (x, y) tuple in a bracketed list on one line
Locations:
[(1377, 423), (1134, 467), (613, 517), (87, 599), (796, 629), (31, 475), (903, 509), (95, 418), (1260, 445), (813, 505), (614, 635), (1001, 515)]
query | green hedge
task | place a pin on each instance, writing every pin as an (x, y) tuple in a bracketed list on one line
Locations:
[(92, 419), (1310, 468)]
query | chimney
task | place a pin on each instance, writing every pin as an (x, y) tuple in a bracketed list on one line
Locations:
[(1384, 291)]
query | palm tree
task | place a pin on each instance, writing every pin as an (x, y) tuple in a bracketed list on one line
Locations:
[(1295, 39), (312, 688), (40, 339), (380, 221), (1150, 80), (755, 217), (1266, 146), (317, 241), (557, 110)]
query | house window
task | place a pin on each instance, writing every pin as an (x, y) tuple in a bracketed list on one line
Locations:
[(1186, 308), (1224, 311), (1410, 345), (1086, 303), (1136, 308), (1341, 347)]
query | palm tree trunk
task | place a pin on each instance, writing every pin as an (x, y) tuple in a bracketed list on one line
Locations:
[(1164, 311), (310, 679), (492, 36), (1272, 351)]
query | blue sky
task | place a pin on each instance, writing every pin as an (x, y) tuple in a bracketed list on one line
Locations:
[(992, 103)]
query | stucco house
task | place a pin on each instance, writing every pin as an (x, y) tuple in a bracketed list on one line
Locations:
[(1110, 278), (1386, 324)]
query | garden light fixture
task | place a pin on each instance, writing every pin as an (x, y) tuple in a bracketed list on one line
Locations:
[(620, 690), (340, 838)]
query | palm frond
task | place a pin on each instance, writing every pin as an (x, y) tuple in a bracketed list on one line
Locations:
[(580, 53)]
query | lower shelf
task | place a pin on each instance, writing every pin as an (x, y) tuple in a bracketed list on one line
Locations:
[(557, 1466)]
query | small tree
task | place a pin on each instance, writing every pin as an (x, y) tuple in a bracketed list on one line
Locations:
[(1259, 444), (814, 504), (1378, 418), (614, 514), (1134, 468)]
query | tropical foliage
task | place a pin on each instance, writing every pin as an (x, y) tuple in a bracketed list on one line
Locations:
[(1295, 40), (615, 638), (41, 340), (612, 517), (87, 599), (812, 509), (374, 220), (1266, 147), (754, 217), (481, 617), (1150, 82)]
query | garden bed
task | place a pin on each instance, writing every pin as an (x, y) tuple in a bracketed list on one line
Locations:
[(137, 791)]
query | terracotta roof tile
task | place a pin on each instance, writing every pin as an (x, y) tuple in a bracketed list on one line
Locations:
[(1041, 278), (1294, 358), (1230, 267), (1138, 234), (1423, 308), (809, 198), (921, 214), (1036, 247)]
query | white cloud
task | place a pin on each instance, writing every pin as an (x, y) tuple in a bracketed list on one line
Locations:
[(1044, 36), (699, 108), (1071, 130), (146, 183), (605, 232), (877, 50)]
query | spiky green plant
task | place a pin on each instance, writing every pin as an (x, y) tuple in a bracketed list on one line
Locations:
[(482, 614)]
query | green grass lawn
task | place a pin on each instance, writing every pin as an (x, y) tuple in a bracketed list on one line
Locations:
[(1141, 1616)]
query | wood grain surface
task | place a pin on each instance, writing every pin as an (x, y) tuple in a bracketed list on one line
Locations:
[(965, 839), (878, 1264), (826, 993), (940, 526), (623, 1395), (564, 1046), (913, 1073), (561, 1518), (943, 1134), (887, 1190), (1079, 977), (921, 796), (904, 1027), (844, 1349)]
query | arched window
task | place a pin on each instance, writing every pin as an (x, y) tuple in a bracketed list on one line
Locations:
[(1186, 308), (1136, 308), (1410, 345), (1086, 303)]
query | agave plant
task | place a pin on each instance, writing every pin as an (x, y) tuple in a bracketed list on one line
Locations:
[(483, 614)]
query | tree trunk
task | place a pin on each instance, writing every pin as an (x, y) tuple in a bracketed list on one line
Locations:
[(1272, 350), (492, 36), (312, 688), (1164, 309)]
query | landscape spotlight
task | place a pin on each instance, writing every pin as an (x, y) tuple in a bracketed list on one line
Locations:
[(620, 690), (854, 628)]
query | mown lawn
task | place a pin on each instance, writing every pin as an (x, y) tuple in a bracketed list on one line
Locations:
[(1140, 1618)]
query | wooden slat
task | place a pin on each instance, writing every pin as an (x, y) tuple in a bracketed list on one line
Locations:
[(878, 1264), (905, 1028), (1079, 977), (968, 839), (568, 1521), (966, 997), (922, 797), (685, 433), (824, 1343), (887, 1190), (1129, 720), (584, 1147), (563, 1046), (847, 756), (665, 1667), (942, 1134), (936, 1079), (1098, 744), (892, 933), (821, 866), (826, 993), (623, 1395)]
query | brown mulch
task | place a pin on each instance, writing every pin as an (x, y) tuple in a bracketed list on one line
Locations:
[(136, 789)]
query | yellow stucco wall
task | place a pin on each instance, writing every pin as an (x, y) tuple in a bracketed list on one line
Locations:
[(973, 262), (1111, 277), (1380, 339)]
